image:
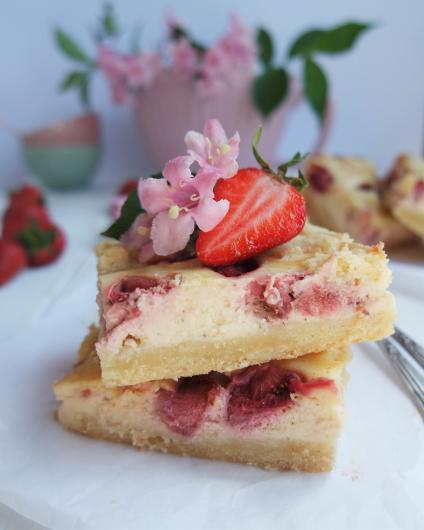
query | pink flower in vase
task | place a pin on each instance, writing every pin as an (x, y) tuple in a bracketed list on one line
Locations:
[(178, 202), (114, 67), (232, 56), (239, 45), (183, 56), (142, 69)]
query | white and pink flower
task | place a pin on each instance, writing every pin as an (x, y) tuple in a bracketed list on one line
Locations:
[(178, 202)]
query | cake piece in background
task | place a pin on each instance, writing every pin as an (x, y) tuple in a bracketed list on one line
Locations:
[(403, 192), (343, 196), (170, 320), (278, 415)]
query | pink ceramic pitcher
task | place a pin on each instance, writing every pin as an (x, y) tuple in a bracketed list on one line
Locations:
[(166, 110)]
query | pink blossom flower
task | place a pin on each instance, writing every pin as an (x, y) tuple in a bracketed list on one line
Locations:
[(239, 43), (178, 202), (142, 70), (114, 67), (212, 148), (232, 56), (184, 57)]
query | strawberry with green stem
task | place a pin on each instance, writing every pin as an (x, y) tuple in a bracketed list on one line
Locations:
[(266, 210)]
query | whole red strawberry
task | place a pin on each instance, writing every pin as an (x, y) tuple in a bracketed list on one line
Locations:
[(264, 212), (13, 259), (45, 247), (15, 220), (25, 196)]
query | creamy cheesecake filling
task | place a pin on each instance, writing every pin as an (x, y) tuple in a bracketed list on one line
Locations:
[(249, 397), (133, 304), (279, 295), (121, 298)]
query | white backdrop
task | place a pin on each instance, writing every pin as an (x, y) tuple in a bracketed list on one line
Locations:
[(378, 89)]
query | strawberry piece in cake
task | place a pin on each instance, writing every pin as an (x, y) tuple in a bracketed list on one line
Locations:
[(278, 415), (171, 320), (403, 192), (343, 195)]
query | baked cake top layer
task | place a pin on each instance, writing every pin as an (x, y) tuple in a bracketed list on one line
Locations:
[(308, 251)]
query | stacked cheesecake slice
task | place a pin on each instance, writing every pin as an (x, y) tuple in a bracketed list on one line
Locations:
[(243, 363)]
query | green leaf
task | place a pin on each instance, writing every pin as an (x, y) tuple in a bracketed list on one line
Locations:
[(315, 86), (341, 39), (80, 81), (269, 90), (74, 79), (265, 46), (255, 141), (294, 161), (108, 21), (83, 92), (130, 210), (307, 43), (335, 40), (70, 48)]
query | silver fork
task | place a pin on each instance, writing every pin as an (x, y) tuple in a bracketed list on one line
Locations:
[(407, 356)]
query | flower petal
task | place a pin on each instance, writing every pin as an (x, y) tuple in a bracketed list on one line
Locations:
[(215, 132), (138, 233), (197, 146), (171, 235), (154, 194), (205, 180), (146, 254), (209, 213), (177, 171)]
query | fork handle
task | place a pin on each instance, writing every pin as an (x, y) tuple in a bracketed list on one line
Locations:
[(411, 376), (413, 348)]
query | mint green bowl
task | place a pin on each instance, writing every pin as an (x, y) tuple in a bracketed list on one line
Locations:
[(62, 166)]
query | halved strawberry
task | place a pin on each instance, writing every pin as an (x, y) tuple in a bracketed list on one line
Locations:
[(264, 212)]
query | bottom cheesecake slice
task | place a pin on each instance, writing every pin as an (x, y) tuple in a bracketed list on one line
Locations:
[(277, 415)]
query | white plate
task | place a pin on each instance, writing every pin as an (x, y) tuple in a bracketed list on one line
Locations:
[(65, 481)]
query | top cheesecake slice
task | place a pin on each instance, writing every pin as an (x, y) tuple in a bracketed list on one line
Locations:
[(168, 320), (343, 195)]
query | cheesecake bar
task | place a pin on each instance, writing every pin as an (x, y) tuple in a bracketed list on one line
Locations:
[(171, 320), (403, 192), (277, 415), (343, 195)]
